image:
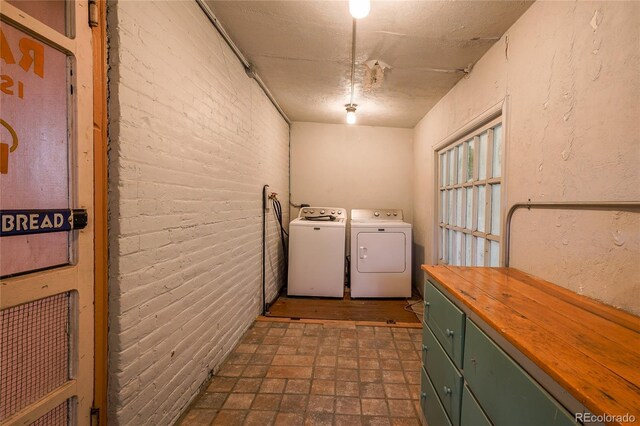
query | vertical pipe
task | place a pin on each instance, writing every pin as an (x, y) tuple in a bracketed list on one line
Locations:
[(264, 251), (353, 60)]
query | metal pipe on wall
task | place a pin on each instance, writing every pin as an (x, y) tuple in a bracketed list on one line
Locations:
[(247, 65), (562, 205), (264, 249)]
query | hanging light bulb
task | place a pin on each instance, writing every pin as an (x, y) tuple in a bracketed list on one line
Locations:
[(351, 113), (359, 8)]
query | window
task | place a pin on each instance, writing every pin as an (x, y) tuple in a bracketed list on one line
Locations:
[(470, 188)]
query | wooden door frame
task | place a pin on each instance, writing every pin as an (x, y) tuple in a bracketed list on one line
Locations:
[(101, 242)]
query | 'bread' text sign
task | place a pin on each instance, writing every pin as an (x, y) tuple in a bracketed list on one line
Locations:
[(23, 222)]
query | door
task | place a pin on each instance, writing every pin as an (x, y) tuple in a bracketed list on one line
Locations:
[(46, 194), (381, 252)]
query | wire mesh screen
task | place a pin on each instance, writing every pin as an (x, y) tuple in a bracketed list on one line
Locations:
[(34, 351), (59, 416)]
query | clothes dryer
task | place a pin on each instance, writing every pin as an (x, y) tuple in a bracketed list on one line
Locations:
[(380, 253)]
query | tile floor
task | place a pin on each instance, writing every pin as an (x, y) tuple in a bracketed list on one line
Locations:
[(315, 374)]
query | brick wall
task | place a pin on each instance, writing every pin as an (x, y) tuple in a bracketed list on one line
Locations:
[(192, 141)]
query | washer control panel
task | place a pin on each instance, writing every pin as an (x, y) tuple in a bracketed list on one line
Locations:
[(362, 215), (314, 212)]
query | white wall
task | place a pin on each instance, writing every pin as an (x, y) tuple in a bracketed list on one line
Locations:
[(351, 166), (570, 72), (192, 141)]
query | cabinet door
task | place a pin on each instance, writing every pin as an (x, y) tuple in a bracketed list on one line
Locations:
[(507, 393), (444, 375), (446, 321), (472, 414), (432, 408)]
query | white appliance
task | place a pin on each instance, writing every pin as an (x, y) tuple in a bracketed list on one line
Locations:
[(317, 252), (380, 254)]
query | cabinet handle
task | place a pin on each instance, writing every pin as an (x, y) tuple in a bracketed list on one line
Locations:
[(447, 391), (449, 333), (424, 348), (423, 395)]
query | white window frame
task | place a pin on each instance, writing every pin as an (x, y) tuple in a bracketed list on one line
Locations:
[(472, 131)]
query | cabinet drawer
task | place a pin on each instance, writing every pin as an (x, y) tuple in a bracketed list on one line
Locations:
[(445, 377), (472, 414), (507, 393), (446, 322), (431, 406)]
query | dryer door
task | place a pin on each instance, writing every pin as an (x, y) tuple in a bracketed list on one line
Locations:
[(381, 252)]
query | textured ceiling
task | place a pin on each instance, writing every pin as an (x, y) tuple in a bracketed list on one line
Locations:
[(302, 51)]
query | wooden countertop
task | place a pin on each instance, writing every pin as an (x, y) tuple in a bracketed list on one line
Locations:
[(591, 349)]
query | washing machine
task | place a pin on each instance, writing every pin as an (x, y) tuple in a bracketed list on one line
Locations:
[(317, 252), (380, 253)]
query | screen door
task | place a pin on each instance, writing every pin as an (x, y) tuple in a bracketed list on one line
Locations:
[(46, 177)]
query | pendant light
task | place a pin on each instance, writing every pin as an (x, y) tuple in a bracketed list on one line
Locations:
[(359, 8), (351, 113)]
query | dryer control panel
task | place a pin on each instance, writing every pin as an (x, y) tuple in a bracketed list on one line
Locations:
[(370, 215), (312, 213)]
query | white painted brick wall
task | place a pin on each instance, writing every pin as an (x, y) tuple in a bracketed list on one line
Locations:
[(192, 141)]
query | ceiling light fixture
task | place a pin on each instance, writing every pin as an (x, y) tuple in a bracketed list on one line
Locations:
[(359, 8), (351, 113)]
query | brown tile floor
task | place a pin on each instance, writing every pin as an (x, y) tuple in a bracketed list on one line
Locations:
[(315, 374)]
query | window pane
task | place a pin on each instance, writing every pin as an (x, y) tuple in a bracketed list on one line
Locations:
[(452, 161), (450, 243), (443, 206), (459, 157), (494, 250), (34, 141), (469, 160), (497, 151), (481, 207), (495, 209), (482, 165), (452, 249), (443, 169), (443, 240), (469, 208), (50, 12), (458, 249), (459, 207), (479, 251), (467, 249), (451, 218)]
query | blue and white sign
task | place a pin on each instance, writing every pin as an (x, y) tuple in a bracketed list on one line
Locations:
[(24, 222)]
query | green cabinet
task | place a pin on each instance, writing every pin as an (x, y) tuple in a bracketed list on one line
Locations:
[(507, 393), (468, 380), (445, 320)]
